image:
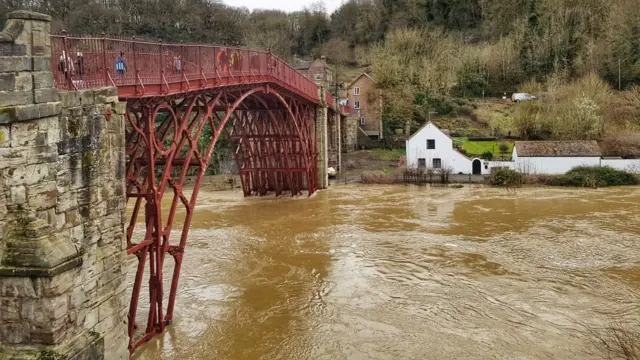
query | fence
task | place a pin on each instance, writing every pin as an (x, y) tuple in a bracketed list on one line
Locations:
[(92, 62)]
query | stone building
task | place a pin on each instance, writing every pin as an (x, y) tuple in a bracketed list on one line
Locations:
[(366, 103), (317, 70)]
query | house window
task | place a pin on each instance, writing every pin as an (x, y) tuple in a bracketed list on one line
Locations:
[(356, 91), (422, 163), (437, 163), (361, 121), (431, 144), (318, 77), (329, 77), (356, 105)]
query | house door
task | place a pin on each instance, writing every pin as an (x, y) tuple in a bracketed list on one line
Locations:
[(477, 167)]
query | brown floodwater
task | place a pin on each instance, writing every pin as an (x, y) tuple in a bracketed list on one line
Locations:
[(404, 272)]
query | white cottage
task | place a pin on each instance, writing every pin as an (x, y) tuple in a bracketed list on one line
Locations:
[(429, 147), (554, 157)]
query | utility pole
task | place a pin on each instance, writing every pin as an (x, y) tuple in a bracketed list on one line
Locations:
[(619, 75), (431, 112)]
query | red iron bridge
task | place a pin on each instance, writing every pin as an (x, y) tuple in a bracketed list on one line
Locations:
[(176, 95)]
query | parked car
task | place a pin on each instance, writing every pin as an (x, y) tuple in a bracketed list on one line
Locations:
[(517, 97)]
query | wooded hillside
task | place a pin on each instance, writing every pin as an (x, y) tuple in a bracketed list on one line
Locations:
[(423, 53)]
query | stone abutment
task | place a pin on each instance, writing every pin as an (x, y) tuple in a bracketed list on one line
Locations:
[(62, 208)]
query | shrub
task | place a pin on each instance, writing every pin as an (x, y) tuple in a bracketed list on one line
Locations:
[(465, 110), (505, 177), (503, 148), (377, 177), (618, 340), (487, 155), (595, 176)]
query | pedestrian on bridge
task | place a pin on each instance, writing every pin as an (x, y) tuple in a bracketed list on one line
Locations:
[(121, 65)]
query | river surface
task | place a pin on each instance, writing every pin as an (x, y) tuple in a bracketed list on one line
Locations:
[(404, 272)]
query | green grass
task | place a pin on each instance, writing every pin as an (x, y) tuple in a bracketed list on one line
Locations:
[(388, 155), (480, 147)]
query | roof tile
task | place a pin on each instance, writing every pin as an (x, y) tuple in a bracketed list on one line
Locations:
[(557, 148)]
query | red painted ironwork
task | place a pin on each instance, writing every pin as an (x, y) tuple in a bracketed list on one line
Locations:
[(176, 94), (156, 69), (273, 138)]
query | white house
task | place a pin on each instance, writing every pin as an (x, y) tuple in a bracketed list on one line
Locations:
[(431, 148), (554, 157)]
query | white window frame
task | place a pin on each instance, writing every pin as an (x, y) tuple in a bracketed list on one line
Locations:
[(356, 105), (356, 91), (362, 121), (318, 77)]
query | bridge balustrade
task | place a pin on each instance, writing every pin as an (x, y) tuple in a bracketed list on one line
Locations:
[(155, 68)]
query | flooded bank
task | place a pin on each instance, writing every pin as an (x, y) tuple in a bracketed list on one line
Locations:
[(404, 272)]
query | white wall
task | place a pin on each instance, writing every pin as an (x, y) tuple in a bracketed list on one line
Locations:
[(416, 148), (552, 165), (492, 164), (631, 165)]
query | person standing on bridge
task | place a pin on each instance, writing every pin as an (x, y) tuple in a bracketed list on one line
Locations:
[(80, 63), (121, 65), (223, 61), (177, 63)]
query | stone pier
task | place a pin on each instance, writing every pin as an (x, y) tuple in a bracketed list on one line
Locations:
[(333, 135), (62, 211), (349, 132), (322, 114)]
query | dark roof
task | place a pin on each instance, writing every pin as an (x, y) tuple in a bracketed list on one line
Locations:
[(303, 64), (557, 148)]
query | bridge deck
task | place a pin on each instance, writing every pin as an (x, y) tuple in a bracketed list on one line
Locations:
[(159, 69)]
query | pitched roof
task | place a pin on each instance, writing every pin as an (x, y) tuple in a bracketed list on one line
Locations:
[(358, 78), (557, 148), (302, 64), (424, 126)]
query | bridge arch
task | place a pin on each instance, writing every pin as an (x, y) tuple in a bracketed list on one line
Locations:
[(272, 134)]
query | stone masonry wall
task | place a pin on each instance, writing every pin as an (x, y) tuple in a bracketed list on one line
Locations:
[(333, 136), (322, 140), (62, 213), (349, 132)]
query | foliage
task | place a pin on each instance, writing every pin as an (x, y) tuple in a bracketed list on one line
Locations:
[(504, 147), (505, 177), (595, 176), (487, 155), (422, 52), (617, 340)]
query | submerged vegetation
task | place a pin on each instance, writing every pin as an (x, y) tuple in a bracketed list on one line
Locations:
[(582, 176), (617, 340), (594, 176)]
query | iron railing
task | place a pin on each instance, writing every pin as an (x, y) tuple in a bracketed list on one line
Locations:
[(154, 68)]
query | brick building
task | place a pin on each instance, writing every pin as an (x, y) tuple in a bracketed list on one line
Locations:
[(317, 70), (362, 96)]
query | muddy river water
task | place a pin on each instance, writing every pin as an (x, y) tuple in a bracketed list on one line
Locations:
[(404, 272)]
